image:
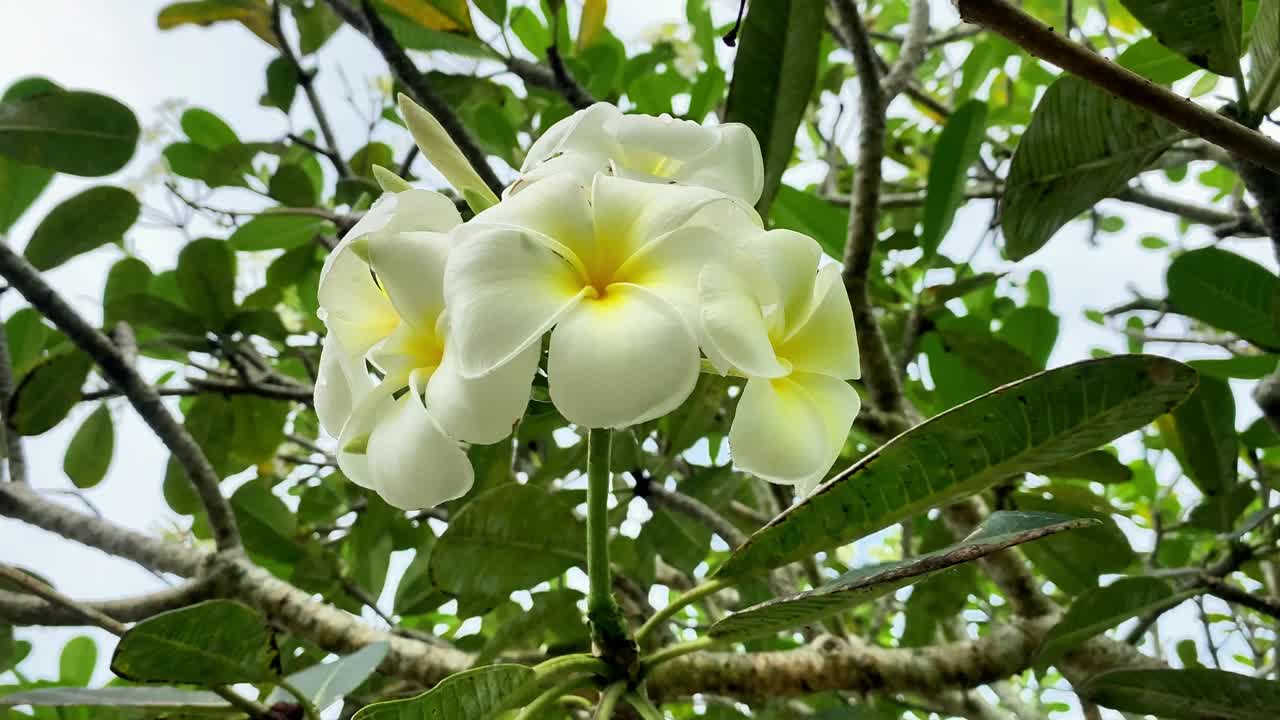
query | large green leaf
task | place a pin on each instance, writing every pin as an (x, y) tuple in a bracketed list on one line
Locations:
[(1229, 292), (1192, 694), (77, 661), (956, 151), (20, 185), (1001, 530), (1206, 442), (325, 684), (80, 133), (207, 279), (90, 450), (773, 77), (266, 524), (209, 643), (811, 215), (509, 538), (1155, 62), (1076, 561), (94, 218), (149, 699), (1097, 466), (1018, 428), (48, 392), (1083, 145), (1101, 608), (1206, 32), (271, 232), (1264, 52), (471, 694)]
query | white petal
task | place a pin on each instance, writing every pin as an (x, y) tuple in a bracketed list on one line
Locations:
[(557, 210), (825, 340), (838, 403), (423, 211), (621, 360), (630, 214), (660, 148), (582, 132), (339, 386), (779, 432), (410, 266), (791, 259), (354, 440), (412, 463), (481, 410), (734, 166), (735, 333), (504, 290)]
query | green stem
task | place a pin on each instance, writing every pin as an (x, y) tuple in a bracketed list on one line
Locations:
[(672, 652), (243, 704), (308, 708), (608, 629), (609, 700), (695, 594), (549, 698), (1264, 94), (644, 706), (565, 664)]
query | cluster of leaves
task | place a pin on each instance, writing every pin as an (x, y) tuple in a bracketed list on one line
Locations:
[(240, 348)]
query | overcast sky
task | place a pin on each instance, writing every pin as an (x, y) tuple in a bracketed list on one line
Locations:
[(114, 47)]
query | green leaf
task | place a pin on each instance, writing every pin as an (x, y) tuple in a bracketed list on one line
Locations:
[(145, 310), (1155, 62), (89, 453), (253, 14), (317, 22), (957, 149), (417, 593), (20, 185), (291, 185), (811, 215), (553, 612), (207, 130), (1001, 530), (473, 694), (1101, 608), (509, 538), (1083, 145), (1264, 53), (1192, 694), (1206, 32), (282, 83), (266, 524), (530, 31), (1097, 466), (79, 133), (1075, 562), (1033, 330), (27, 335), (325, 684), (150, 699), (48, 392), (1229, 292), (1206, 436), (207, 279), (91, 219), (78, 659), (212, 642), (1244, 367), (271, 232), (773, 77), (1022, 427)]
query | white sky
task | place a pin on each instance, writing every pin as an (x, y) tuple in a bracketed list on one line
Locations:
[(114, 47)]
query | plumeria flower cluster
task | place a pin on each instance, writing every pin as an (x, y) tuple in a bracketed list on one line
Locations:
[(630, 244)]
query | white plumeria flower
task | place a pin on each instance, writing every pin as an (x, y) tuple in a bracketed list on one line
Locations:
[(791, 333), (612, 267), (400, 437), (653, 149)]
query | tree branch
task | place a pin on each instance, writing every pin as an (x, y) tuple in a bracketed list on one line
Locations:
[(1040, 40), (914, 46), (15, 455), (367, 21), (306, 78), (117, 369), (1234, 595), (22, 609)]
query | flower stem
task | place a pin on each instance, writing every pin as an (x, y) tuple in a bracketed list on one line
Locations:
[(694, 594), (608, 629), (308, 709), (549, 697), (609, 699), (643, 706), (672, 652)]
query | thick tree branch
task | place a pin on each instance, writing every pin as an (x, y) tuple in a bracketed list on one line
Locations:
[(117, 369), (1234, 595), (367, 21), (22, 609), (1040, 40), (15, 455)]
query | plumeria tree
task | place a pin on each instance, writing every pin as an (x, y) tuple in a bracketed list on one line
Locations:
[(666, 401)]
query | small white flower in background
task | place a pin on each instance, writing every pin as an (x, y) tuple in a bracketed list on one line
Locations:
[(790, 331), (600, 139), (381, 297), (611, 270)]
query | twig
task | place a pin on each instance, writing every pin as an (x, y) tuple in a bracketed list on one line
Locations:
[(914, 46), (15, 455), (22, 609), (368, 22), (116, 368), (1234, 595), (576, 95), (1040, 40), (306, 78)]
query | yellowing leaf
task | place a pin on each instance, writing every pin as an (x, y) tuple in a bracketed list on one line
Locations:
[(592, 22), (253, 14), (440, 15)]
